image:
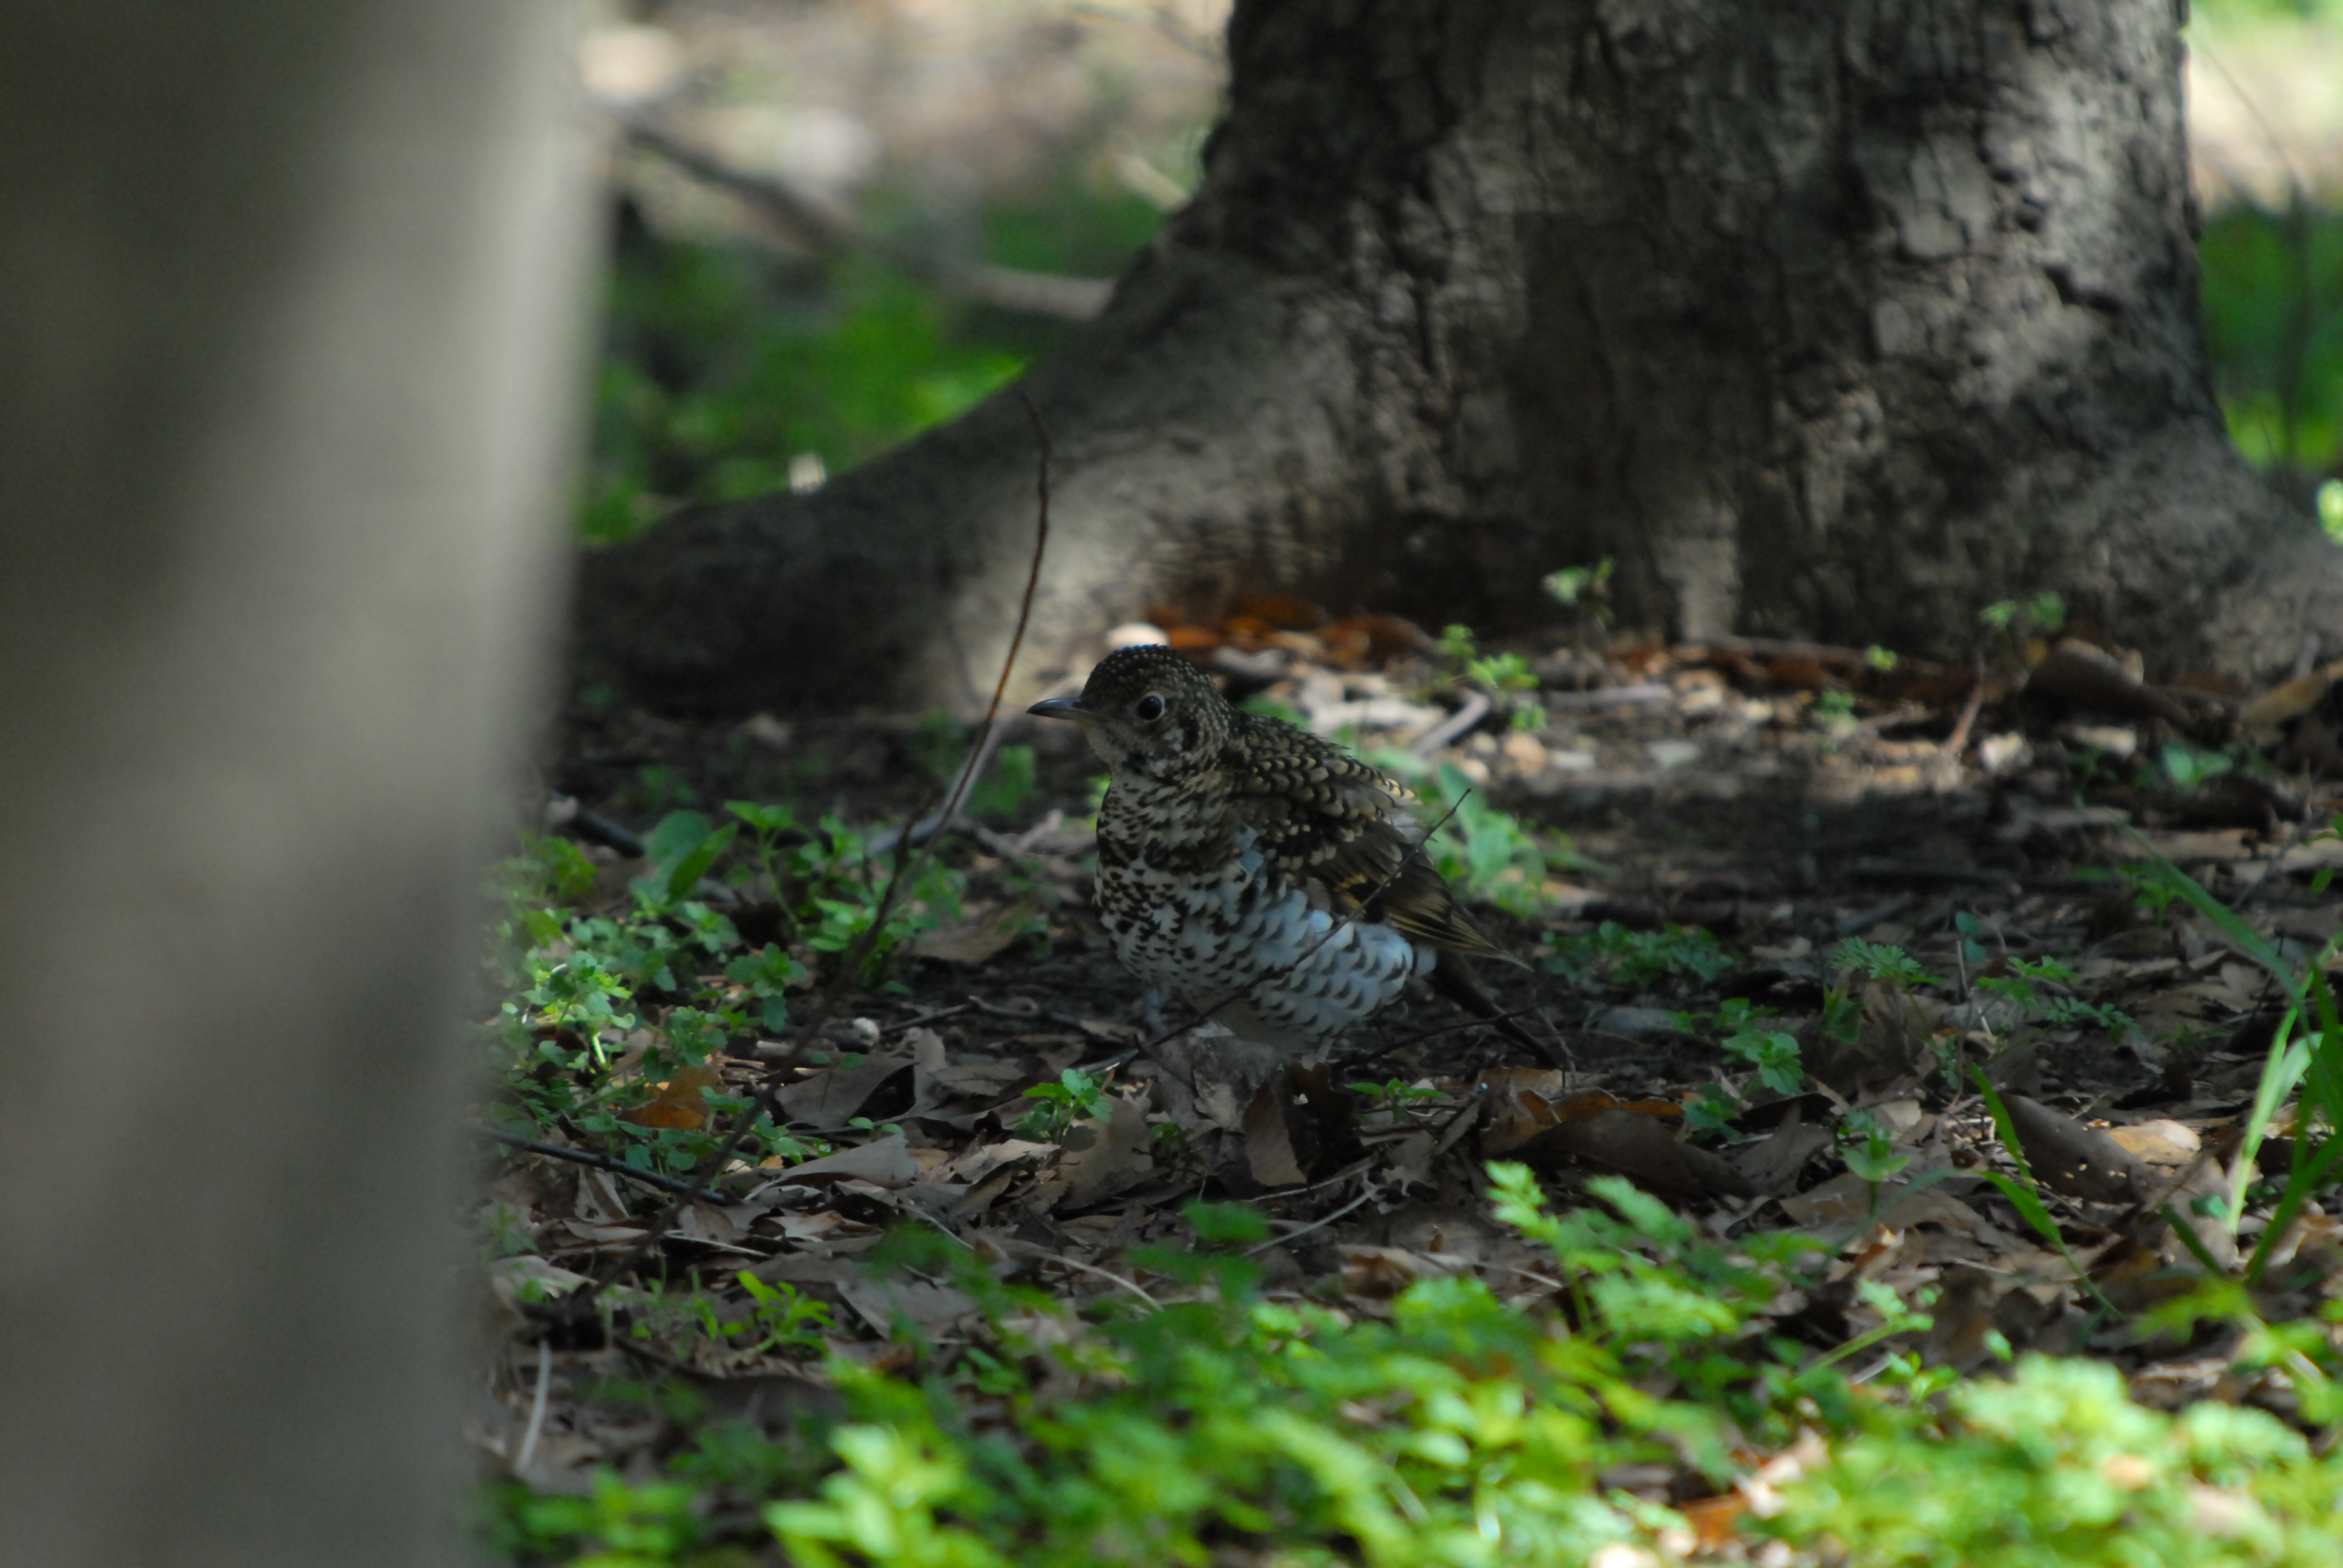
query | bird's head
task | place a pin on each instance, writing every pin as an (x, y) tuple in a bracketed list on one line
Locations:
[(1149, 713)]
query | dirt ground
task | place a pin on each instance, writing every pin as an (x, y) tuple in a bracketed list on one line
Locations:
[(1780, 798)]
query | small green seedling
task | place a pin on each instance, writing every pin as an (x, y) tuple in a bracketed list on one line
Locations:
[(1077, 1096)]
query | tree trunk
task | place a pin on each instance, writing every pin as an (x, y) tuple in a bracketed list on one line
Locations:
[(287, 293), (1819, 320)]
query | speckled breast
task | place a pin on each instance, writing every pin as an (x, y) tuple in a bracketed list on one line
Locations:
[(1238, 939)]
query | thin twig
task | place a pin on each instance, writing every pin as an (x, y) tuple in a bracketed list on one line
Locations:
[(1474, 710), (610, 1162), (574, 1305), (926, 1019), (1106, 1274), (2293, 832), (1313, 1225), (1038, 1015), (1948, 761), (1420, 1036), (536, 1406)]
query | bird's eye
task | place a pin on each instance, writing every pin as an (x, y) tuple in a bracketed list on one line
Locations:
[(1150, 708)]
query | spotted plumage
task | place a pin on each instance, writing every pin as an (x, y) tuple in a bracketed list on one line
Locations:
[(1255, 871)]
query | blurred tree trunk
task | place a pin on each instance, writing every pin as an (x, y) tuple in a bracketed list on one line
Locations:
[(1820, 320), (287, 297)]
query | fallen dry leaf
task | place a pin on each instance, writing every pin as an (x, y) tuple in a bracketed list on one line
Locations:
[(831, 1096), (1269, 1141), (1116, 1160), (2077, 1161), (1624, 1142), (884, 1162), (983, 932), (678, 1103)]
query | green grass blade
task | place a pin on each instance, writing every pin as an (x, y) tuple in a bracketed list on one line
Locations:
[(2027, 1196), (2224, 920)]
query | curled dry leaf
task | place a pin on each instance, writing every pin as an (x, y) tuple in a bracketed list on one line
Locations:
[(1525, 1102), (1624, 1142), (2077, 1161)]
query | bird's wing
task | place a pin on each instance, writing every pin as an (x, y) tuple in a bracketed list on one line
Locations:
[(1326, 819)]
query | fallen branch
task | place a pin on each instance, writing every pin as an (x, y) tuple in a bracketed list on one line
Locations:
[(610, 1162)]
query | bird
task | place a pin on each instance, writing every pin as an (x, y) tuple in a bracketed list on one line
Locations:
[(1263, 875)]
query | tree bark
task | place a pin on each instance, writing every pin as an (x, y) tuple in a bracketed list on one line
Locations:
[(287, 296), (1820, 320)]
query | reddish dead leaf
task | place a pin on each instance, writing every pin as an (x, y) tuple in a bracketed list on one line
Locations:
[(2291, 700), (1369, 640), (1287, 612), (1797, 674), (1374, 1273), (1525, 1102), (678, 1103), (1715, 1521), (1189, 638)]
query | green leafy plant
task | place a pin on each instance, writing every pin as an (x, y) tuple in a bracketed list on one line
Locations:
[(1488, 852), (2044, 615), (1772, 1052), (2305, 1062), (1869, 1149), (1883, 961), (721, 380), (1458, 1431), (1613, 955), (830, 885), (1077, 1096), (782, 1317), (1584, 587), (2190, 768), (1008, 786), (670, 971), (1394, 1096), (2056, 1465), (1505, 677)]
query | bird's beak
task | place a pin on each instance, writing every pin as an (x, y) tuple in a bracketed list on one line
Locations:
[(1061, 707)]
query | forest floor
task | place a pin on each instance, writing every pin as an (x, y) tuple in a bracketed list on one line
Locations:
[(1775, 904)]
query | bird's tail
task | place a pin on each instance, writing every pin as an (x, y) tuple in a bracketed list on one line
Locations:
[(1453, 978)]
